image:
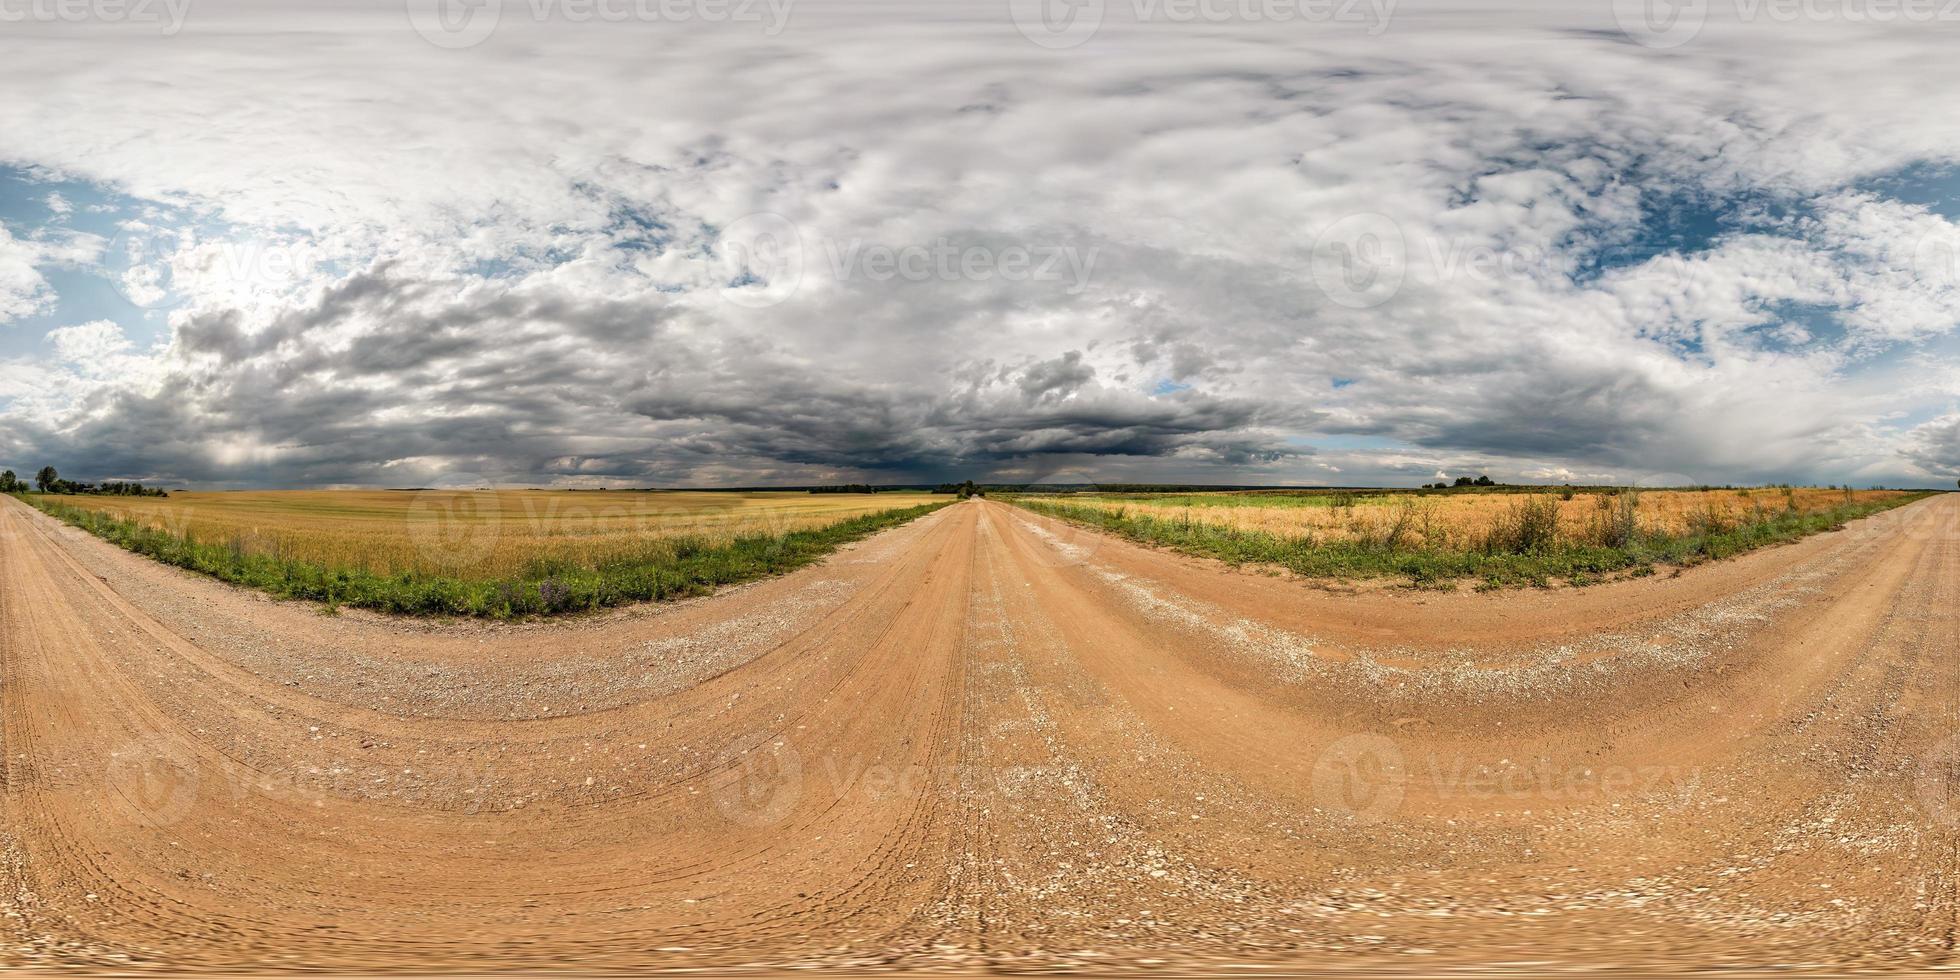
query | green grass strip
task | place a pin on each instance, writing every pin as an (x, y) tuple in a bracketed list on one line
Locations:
[(1576, 562), (668, 568)]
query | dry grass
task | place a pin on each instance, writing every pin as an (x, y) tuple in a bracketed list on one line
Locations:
[(1509, 536), (478, 534), (1460, 521)]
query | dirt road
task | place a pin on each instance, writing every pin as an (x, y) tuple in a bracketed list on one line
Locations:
[(988, 739)]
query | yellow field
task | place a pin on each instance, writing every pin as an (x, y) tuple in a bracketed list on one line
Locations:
[(483, 533), (1459, 520)]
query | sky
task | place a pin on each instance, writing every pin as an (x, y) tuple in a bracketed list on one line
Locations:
[(780, 242)]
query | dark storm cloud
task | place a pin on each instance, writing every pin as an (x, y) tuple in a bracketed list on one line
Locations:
[(769, 409), (1057, 378), (1936, 446)]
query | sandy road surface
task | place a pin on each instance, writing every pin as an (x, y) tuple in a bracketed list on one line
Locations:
[(989, 739)]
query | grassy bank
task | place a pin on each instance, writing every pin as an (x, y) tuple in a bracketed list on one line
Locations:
[(665, 568), (1523, 545)]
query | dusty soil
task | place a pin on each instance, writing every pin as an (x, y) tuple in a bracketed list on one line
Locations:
[(991, 740)]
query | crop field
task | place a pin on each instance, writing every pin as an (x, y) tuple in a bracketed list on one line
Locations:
[(1503, 536), (476, 533), (1456, 520), (486, 552)]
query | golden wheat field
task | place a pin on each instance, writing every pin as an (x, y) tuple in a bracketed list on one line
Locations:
[(479, 533), (1451, 520)]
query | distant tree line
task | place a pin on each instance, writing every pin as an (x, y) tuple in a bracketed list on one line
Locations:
[(120, 489), (964, 490), (48, 481), (1462, 481), (846, 488)]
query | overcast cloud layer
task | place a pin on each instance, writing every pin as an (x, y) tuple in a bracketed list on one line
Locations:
[(312, 244)]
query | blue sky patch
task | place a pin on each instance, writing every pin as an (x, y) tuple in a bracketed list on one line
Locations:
[(1931, 184)]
